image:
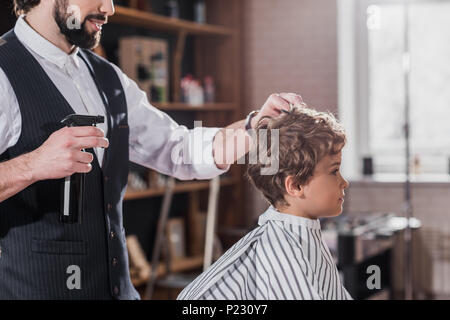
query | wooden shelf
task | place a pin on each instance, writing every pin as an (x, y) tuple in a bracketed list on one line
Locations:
[(181, 265), (149, 20), (217, 53), (179, 188), (178, 106)]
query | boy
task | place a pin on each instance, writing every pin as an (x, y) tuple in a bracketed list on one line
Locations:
[(285, 257)]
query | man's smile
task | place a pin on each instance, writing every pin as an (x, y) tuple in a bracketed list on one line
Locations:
[(96, 24)]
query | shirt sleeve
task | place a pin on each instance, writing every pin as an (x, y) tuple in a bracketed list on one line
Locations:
[(159, 143), (10, 118)]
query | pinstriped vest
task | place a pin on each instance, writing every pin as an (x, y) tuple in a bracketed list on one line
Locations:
[(36, 249)]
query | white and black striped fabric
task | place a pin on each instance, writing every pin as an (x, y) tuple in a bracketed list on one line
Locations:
[(284, 258)]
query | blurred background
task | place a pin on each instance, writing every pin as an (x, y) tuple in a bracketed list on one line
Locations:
[(376, 64)]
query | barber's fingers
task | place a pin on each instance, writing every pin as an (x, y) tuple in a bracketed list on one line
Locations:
[(292, 98), (88, 142), (85, 131), (83, 157), (278, 103), (82, 167)]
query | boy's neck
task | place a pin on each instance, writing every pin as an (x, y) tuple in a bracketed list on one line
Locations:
[(295, 211)]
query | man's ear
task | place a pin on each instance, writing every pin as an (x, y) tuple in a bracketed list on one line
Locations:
[(293, 188)]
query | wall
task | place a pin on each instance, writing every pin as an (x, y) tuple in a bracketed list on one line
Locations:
[(289, 46)]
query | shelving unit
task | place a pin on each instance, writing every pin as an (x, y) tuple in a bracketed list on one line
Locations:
[(153, 21), (182, 28), (179, 188), (216, 47), (176, 266), (179, 106)]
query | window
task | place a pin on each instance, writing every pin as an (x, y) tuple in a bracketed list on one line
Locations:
[(380, 83)]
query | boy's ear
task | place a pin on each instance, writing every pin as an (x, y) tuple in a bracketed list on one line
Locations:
[(292, 187)]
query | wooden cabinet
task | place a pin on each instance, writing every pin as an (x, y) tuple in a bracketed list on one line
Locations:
[(216, 52)]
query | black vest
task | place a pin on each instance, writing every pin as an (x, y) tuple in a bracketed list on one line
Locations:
[(37, 251)]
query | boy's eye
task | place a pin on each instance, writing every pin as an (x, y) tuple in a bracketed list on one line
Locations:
[(335, 171)]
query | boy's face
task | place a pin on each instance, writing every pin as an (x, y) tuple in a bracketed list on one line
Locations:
[(323, 195)]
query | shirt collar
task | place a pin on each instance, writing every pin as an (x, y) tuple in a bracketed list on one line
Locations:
[(273, 214), (41, 46)]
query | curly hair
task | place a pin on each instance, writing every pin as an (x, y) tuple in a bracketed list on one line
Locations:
[(305, 137), (24, 6)]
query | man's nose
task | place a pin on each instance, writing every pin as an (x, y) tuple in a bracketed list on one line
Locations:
[(107, 7)]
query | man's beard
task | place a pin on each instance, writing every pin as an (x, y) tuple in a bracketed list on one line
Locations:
[(79, 37)]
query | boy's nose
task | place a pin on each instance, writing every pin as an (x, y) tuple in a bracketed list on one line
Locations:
[(346, 184)]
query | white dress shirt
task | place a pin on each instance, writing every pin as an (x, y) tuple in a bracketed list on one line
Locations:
[(154, 136)]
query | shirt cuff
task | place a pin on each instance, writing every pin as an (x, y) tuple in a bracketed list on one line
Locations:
[(204, 164)]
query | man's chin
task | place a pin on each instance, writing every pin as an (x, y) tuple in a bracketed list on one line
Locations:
[(90, 43), (86, 45)]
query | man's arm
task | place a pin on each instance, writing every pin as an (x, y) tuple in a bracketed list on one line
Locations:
[(60, 156), (15, 176), (233, 142), (157, 142)]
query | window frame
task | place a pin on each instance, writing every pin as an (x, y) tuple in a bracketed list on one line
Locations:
[(353, 79)]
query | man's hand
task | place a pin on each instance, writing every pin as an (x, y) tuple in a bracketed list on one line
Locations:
[(227, 153), (275, 103), (61, 156)]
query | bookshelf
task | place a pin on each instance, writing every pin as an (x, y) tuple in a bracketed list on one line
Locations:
[(181, 28), (179, 106), (133, 17), (179, 188), (216, 47), (180, 265)]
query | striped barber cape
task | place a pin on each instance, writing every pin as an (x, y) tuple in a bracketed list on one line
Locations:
[(284, 258)]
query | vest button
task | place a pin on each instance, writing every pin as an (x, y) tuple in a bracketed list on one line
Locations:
[(112, 234), (109, 206), (114, 262), (106, 178), (116, 290)]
